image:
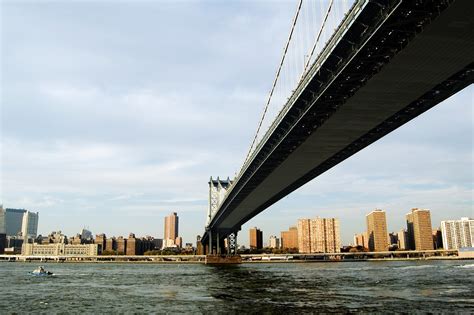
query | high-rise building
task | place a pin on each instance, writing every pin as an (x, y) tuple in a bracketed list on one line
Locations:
[(199, 246), (437, 239), (179, 242), (377, 231), (16, 222), (256, 238), (274, 242), (359, 239), (13, 221), (419, 229), (171, 228), (320, 235), (304, 236), (29, 226), (289, 239), (325, 235), (3, 242), (402, 239), (457, 233), (393, 238), (2, 220)]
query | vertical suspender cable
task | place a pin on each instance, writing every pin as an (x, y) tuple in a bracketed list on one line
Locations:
[(276, 80)]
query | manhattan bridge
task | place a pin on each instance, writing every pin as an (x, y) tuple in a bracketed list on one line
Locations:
[(350, 73)]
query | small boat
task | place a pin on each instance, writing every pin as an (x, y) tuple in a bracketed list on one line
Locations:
[(41, 272)]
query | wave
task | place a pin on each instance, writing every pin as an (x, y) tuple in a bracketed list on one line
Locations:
[(416, 267), (466, 266)]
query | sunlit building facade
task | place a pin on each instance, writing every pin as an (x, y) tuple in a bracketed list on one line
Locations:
[(377, 231), (419, 230), (457, 233)]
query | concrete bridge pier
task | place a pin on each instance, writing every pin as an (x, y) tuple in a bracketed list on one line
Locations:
[(222, 250)]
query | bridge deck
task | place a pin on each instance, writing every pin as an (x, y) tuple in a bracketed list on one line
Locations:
[(411, 61)]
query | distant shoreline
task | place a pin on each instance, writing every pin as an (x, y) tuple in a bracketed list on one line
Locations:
[(201, 260)]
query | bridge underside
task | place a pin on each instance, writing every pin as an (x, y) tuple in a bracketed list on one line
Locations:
[(410, 58)]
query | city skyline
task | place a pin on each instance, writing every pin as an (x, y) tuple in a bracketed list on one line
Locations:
[(78, 164)]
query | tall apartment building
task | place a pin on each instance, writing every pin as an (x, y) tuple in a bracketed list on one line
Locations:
[(377, 231), (361, 240), (171, 229), (325, 235), (437, 239), (274, 242), (289, 239), (419, 229), (457, 233), (320, 235), (256, 238), (402, 239), (304, 236)]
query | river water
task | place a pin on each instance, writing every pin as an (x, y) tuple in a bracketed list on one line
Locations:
[(391, 286)]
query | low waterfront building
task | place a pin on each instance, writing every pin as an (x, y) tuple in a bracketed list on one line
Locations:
[(60, 249)]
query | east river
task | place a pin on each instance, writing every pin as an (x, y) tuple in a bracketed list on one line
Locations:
[(391, 286)]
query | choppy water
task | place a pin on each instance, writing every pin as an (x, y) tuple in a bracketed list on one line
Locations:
[(403, 286)]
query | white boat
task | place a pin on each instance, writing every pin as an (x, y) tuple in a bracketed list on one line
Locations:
[(40, 271)]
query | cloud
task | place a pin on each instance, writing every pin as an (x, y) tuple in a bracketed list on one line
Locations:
[(114, 114)]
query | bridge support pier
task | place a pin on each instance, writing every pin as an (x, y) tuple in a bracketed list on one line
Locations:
[(222, 250)]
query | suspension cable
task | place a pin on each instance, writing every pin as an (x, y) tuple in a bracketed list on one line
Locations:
[(276, 80), (318, 37)]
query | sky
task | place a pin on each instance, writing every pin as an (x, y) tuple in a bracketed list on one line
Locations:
[(114, 114)]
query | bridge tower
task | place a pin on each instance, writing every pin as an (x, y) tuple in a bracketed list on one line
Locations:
[(217, 190), (221, 243)]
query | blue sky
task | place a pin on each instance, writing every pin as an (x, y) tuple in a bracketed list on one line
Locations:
[(114, 114)]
